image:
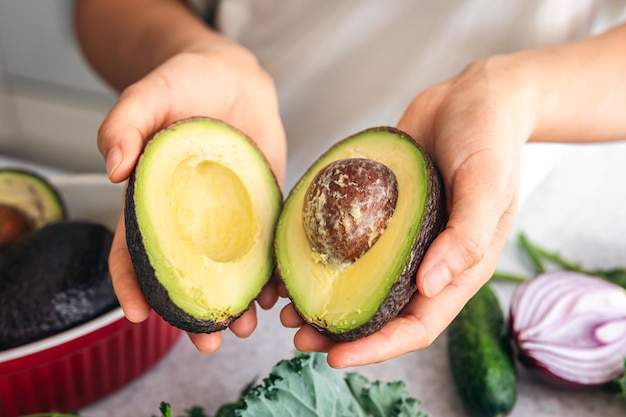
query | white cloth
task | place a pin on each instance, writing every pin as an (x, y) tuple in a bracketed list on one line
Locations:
[(342, 66)]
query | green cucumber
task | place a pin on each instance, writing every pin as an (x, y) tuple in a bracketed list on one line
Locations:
[(481, 359)]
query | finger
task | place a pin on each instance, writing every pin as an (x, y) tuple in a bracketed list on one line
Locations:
[(281, 290), (290, 318), (206, 343), (269, 135), (130, 122), (307, 339), (483, 192), (125, 284), (259, 118), (269, 295), (245, 325)]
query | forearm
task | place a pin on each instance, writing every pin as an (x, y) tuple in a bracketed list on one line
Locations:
[(581, 89), (124, 40)]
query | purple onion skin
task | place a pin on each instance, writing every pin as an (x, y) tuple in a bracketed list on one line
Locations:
[(540, 371), (555, 320)]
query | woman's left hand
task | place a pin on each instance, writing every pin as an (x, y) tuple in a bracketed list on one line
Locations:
[(473, 126)]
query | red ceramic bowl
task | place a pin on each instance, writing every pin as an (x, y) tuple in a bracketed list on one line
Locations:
[(69, 370)]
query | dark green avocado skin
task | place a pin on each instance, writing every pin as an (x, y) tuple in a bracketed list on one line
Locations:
[(53, 279), (154, 291), (433, 223)]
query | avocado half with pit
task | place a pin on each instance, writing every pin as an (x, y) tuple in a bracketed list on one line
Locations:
[(200, 212), (28, 202), (354, 229)]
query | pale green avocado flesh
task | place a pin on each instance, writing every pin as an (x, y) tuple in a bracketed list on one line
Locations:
[(205, 203), (341, 299)]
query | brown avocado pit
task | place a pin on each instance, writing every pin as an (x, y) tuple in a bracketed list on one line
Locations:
[(28, 202), (345, 279), (347, 207), (14, 224)]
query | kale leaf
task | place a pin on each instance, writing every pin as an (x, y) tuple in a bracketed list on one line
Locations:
[(306, 386)]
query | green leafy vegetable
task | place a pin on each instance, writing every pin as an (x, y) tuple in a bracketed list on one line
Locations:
[(229, 408), (538, 254), (382, 399), (196, 412), (306, 386), (616, 276), (165, 410), (532, 251)]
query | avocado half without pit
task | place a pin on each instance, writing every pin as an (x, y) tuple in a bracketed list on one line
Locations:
[(201, 208), (354, 229)]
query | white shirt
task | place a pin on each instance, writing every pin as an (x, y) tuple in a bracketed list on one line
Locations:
[(343, 66)]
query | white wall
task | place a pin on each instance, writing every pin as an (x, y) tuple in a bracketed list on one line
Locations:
[(51, 103)]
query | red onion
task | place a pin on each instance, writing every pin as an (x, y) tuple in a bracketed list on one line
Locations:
[(570, 327)]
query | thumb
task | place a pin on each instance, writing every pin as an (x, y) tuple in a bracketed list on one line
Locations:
[(477, 153), (126, 127), (481, 214)]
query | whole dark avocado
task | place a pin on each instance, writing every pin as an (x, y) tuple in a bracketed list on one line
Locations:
[(354, 230), (53, 279)]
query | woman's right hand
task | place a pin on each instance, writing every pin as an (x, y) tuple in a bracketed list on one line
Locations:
[(221, 80)]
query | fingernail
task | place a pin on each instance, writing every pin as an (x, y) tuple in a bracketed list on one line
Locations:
[(435, 280), (114, 159)]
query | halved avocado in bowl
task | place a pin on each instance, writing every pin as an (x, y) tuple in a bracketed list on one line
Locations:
[(28, 202), (200, 212), (377, 192)]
